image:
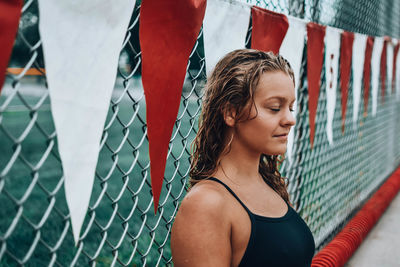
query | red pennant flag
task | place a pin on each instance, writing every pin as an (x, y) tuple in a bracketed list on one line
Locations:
[(346, 52), (269, 29), (315, 56), (383, 67), (168, 31), (396, 52), (10, 12), (367, 72)]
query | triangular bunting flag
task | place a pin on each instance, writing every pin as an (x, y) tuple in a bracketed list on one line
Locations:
[(375, 70), (359, 44), (10, 12), (345, 64), (395, 55), (225, 27), (367, 72), (167, 34), (81, 44), (397, 81), (383, 67), (268, 29), (389, 64), (332, 49), (294, 54), (315, 56)]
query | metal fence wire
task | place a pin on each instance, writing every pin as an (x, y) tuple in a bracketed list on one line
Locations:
[(326, 184)]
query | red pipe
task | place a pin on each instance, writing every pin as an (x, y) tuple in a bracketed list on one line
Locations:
[(342, 247)]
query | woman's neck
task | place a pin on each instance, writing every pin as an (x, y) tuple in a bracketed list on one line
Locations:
[(239, 165)]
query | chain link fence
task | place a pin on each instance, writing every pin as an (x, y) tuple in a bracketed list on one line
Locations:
[(326, 184)]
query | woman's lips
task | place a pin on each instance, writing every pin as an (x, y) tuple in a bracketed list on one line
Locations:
[(281, 137)]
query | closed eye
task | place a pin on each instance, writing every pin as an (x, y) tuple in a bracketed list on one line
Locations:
[(277, 109)]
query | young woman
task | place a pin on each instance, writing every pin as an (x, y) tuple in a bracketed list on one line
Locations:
[(237, 212)]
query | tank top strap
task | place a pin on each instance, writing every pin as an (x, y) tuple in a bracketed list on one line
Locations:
[(233, 194)]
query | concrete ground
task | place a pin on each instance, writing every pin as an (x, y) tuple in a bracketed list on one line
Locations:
[(381, 248)]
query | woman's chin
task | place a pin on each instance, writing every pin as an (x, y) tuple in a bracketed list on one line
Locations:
[(279, 150)]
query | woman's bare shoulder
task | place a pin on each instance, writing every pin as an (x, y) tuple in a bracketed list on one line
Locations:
[(205, 196), (202, 222)]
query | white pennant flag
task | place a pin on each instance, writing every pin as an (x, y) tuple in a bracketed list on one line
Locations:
[(397, 84), (389, 68), (375, 70), (292, 50), (332, 52), (81, 45), (359, 45), (225, 27)]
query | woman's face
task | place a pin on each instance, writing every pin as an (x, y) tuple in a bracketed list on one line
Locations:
[(271, 115)]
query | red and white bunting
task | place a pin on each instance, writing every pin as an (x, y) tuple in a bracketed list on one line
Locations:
[(375, 71), (383, 68), (359, 45), (332, 52), (367, 72), (81, 45), (81, 69), (225, 27), (397, 81), (268, 29), (167, 33), (294, 54), (395, 65), (389, 65), (10, 12), (315, 56), (346, 52)]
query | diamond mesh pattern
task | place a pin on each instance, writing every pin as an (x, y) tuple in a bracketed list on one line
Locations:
[(327, 184)]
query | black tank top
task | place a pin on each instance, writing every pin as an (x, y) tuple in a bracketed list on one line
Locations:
[(286, 241)]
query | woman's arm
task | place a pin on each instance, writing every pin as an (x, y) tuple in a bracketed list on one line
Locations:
[(202, 229)]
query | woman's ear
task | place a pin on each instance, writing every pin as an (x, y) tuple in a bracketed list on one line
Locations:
[(229, 117)]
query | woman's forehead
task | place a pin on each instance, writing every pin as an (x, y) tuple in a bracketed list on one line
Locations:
[(275, 85)]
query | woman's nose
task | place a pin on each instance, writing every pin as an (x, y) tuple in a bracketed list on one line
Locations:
[(289, 119)]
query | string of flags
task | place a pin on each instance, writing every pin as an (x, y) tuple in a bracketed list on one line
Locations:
[(90, 35), (10, 13)]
